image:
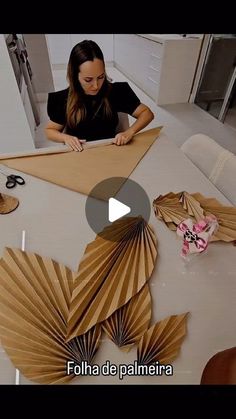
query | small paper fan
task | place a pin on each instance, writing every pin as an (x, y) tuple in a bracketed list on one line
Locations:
[(162, 342), (127, 325), (169, 209), (196, 206), (225, 215), (35, 294), (192, 206), (111, 273)]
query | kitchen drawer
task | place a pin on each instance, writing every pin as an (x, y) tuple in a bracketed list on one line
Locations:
[(152, 87), (155, 61), (154, 73)]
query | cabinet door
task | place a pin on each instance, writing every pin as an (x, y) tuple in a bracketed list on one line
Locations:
[(59, 47), (153, 69), (130, 58), (105, 42)]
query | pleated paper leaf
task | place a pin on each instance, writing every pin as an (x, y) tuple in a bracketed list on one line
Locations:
[(192, 206), (162, 342), (35, 294), (111, 272), (127, 325), (167, 208), (226, 217)]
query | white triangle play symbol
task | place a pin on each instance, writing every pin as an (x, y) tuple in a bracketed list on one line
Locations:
[(117, 209)]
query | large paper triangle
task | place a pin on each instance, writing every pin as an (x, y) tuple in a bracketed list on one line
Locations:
[(81, 172)]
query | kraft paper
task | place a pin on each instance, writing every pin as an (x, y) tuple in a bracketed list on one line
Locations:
[(82, 171)]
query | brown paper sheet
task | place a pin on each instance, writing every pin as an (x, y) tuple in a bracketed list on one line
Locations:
[(81, 172), (53, 150)]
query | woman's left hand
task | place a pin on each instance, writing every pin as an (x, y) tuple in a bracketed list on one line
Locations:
[(123, 138)]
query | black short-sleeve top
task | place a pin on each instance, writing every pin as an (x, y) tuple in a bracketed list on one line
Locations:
[(95, 126)]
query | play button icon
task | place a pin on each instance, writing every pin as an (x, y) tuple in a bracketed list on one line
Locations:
[(114, 198), (117, 210)]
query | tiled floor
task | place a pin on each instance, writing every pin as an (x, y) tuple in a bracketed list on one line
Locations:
[(179, 120)]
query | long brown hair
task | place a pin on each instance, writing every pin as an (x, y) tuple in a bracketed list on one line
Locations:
[(75, 109)]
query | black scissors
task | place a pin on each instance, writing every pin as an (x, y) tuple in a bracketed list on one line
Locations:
[(13, 180)]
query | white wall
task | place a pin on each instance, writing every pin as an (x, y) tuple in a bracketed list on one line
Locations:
[(15, 134), (39, 61), (60, 46)]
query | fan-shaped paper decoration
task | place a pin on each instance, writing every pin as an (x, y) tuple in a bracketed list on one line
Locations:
[(35, 294), (111, 272), (8, 203), (162, 342), (226, 217), (167, 208), (192, 206), (128, 324)]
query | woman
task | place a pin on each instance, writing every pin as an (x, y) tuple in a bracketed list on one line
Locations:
[(87, 109)]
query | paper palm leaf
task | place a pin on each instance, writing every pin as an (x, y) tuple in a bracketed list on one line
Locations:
[(126, 326), (225, 215), (162, 342), (167, 208), (111, 272), (192, 206), (35, 294)]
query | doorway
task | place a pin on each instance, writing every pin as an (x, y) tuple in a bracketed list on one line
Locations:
[(216, 91)]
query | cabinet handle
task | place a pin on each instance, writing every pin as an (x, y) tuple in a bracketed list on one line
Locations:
[(155, 82), (155, 69)]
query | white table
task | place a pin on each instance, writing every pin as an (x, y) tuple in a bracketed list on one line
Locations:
[(56, 227)]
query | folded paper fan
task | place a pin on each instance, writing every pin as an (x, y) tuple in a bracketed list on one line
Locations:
[(162, 342), (192, 206), (35, 294), (168, 209), (226, 217), (127, 325), (8, 203), (115, 266)]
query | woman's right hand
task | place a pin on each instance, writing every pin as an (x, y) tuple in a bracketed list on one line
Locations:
[(75, 143)]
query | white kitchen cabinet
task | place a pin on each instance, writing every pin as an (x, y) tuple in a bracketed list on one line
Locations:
[(163, 66), (60, 46)]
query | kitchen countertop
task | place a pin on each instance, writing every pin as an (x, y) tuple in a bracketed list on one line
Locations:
[(161, 38)]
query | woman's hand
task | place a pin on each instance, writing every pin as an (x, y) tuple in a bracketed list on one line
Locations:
[(74, 143), (123, 138)]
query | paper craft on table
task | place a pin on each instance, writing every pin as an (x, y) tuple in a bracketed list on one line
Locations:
[(196, 236), (81, 172), (173, 208)]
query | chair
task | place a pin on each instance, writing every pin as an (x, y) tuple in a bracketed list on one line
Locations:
[(217, 163)]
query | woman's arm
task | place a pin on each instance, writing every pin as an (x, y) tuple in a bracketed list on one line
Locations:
[(53, 132), (144, 116)]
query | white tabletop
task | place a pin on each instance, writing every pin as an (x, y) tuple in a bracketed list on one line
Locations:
[(56, 226)]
